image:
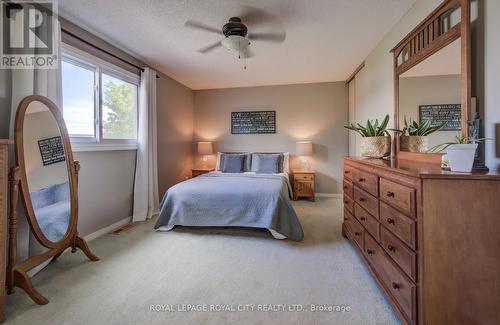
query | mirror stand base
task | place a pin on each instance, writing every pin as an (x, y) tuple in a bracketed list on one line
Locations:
[(22, 280), (82, 245), (20, 276)]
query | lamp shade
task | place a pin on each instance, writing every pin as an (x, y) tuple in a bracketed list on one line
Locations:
[(304, 148), (205, 148)]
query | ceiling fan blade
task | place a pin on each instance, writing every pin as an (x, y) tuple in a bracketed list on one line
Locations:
[(267, 37), (209, 48), (198, 25)]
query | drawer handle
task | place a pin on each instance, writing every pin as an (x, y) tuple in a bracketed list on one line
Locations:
[(362, 200), (395, 285), (357, 233), (346, 187), (391, 248), (390, 221), (363, 218), (346, 202), (390, 194), (362, 180), (346, 172), (369, 252)]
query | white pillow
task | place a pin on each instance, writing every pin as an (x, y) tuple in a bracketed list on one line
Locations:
[(217, 163), (286, 162)]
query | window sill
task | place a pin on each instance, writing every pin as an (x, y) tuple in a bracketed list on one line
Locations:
[(89, 147)]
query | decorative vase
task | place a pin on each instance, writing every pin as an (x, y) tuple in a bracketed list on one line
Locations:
[(461, 157), (414, 143), (376, 147)]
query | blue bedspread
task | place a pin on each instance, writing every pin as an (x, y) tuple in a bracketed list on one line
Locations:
[(54, 220), (237, 200)]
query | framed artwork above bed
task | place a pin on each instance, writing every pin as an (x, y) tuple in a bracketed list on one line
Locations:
[(253, 122)]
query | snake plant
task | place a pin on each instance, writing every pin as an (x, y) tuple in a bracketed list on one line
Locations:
[(422, 129), (371, 129)]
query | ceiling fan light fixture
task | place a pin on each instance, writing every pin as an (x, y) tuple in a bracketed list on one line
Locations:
[(235, 43)]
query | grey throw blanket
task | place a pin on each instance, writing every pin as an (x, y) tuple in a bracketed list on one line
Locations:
[(237, 200)]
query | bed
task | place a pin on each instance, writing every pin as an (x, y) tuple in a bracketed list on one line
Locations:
[(222, 199)]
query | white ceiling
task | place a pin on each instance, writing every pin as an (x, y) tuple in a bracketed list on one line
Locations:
[(326, 39), (445, 62)]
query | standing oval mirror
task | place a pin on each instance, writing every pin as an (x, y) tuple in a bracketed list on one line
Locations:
[(43, 160), (47, 175)]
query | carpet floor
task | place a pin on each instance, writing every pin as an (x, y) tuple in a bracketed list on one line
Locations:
[(211, 276)]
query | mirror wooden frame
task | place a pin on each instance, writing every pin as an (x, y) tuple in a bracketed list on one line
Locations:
[(427, 39), (17, 273)]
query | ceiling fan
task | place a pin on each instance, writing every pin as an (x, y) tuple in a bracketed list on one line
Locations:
[(236, 35)]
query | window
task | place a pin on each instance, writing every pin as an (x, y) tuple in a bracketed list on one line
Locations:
[(100, 102)]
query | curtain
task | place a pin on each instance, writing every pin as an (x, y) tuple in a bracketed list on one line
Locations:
[(146, 197), (26, 82)]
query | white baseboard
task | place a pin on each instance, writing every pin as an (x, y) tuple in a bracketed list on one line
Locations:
[(105, 230), (335, 195)]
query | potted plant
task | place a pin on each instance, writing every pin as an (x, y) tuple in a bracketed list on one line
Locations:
[(414, 135), (460, 152), (375, 140)]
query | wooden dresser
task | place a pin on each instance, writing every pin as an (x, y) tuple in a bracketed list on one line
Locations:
[(430, 238), (4, 163)]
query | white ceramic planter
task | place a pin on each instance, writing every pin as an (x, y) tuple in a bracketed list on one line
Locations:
[(461, 157)]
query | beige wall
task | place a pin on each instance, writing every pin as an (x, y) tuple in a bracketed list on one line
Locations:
[(315, 112), (175, 132), (428, 90)]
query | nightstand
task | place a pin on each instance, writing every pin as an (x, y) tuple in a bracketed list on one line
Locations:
[(195, 172), (303, 184)]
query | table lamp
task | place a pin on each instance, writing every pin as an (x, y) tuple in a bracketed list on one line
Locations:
[(205, 148)]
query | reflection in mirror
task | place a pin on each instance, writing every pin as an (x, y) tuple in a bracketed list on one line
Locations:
[(450, 19), (46, 171), (431, 91)]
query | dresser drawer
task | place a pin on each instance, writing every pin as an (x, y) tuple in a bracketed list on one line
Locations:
[(397, 284), (347, 215), (348, 188), (367, 201), (303, 177), (366, 181), (368, 221), (404, 257), (348, 172), (399, 196), (357, 231), (349, 203), (399, 224)]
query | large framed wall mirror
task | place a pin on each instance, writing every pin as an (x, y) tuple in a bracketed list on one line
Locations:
[(46, 177), (432, 78)]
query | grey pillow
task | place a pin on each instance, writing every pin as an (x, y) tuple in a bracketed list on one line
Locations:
[(233, 163), (256, 158), (269, 163), (248, 159)]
